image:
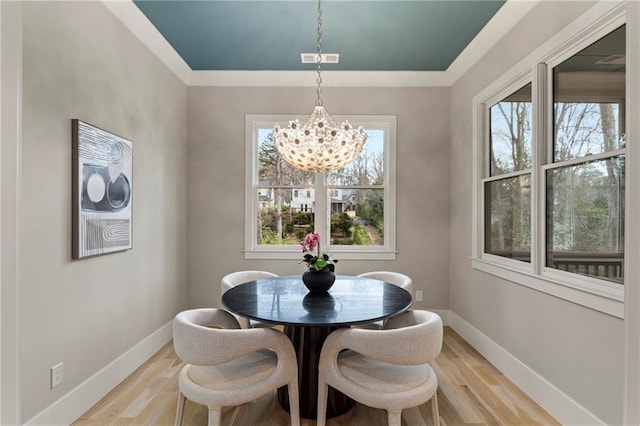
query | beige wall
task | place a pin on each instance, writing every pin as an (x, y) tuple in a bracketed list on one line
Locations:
[(578, 350), (80, 62), (216, 181)]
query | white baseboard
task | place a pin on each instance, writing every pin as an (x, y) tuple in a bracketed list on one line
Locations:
[(553, 400), (71, 406), (558, 404)]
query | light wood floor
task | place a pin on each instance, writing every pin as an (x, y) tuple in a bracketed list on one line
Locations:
[(471, 392)]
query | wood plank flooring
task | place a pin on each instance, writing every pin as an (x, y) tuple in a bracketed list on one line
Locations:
[(471, 392)]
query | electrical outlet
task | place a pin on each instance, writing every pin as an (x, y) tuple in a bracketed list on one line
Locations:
[(57, 375), (418, 295)]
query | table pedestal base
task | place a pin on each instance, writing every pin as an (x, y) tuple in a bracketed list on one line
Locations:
[(307, 342)]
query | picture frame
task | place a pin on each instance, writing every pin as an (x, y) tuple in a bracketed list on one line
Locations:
[(102, 187)]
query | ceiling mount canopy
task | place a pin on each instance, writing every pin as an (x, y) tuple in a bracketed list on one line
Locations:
[(319, 145)]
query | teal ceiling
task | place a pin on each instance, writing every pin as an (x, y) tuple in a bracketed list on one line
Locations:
[(417, 35)]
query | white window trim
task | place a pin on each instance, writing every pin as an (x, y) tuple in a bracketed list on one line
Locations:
[(287, 252), (593, 293)]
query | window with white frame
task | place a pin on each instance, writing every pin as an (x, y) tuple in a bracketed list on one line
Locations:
[(585, 168), (353, 209), (550, 175), (507, 187)]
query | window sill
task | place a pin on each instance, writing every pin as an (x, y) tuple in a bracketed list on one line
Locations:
[(275, 254), (609, 301)]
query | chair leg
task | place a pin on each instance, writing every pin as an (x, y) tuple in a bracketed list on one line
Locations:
[(180, 409), (434, 408), (321, 415), (215, 416), (395, 418), (294, 402)]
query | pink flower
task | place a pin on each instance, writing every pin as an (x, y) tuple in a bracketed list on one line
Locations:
[(311, 241), (318, 261)]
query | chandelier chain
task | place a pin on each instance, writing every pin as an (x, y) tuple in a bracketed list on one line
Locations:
[(319, 144), (319, 59)]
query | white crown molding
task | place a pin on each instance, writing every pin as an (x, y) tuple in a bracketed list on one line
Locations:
[(506, 17), (132, 18), (308, 78)]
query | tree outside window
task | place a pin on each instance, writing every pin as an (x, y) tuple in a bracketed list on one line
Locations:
[(508, 191)]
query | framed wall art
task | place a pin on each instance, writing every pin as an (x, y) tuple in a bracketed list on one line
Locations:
[(102, 191)]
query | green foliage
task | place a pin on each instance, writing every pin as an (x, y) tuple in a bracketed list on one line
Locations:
[(591, 229), (370, 206), (341, 222), (361, 237), (269, 236), (268, 219), (302, 218)]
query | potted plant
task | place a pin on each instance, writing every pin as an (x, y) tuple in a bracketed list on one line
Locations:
[(320, 273)]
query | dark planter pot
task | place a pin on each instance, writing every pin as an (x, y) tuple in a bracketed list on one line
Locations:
[(319, 281)]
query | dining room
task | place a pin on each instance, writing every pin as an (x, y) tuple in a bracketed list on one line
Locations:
[(566, 342)]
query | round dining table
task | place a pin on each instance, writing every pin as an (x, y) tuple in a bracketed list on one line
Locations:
[(309, 318)]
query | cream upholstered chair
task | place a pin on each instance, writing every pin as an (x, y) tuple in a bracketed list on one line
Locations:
[(228, 366), (387, 368), (233, 279), (396, 278)]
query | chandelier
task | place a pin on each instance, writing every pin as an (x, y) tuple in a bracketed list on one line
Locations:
[(319, 145)]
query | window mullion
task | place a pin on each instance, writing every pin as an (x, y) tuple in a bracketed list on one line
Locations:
[(541, 115), (507, 175), (321, 220), (583, 160)]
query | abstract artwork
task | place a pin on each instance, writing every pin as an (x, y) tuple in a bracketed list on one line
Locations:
[(102, 191)]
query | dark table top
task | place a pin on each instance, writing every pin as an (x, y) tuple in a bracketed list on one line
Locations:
[(285, 300)]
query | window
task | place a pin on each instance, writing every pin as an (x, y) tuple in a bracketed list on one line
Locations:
[(508, 188), (353, 209), (550, 175), (585, 177)]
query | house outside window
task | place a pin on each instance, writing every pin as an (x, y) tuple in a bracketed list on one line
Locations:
[(353, 209), (550, 172)]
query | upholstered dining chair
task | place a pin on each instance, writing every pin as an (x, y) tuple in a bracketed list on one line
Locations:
[(395, 278), (228, 366), (387, 369), (233, 279)]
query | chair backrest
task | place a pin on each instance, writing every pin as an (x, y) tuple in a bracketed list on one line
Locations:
[(410, 338), (233, 279), (211, 336), (419, 334), (396, 278)]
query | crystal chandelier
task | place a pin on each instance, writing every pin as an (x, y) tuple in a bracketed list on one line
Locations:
[(319, 145)]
